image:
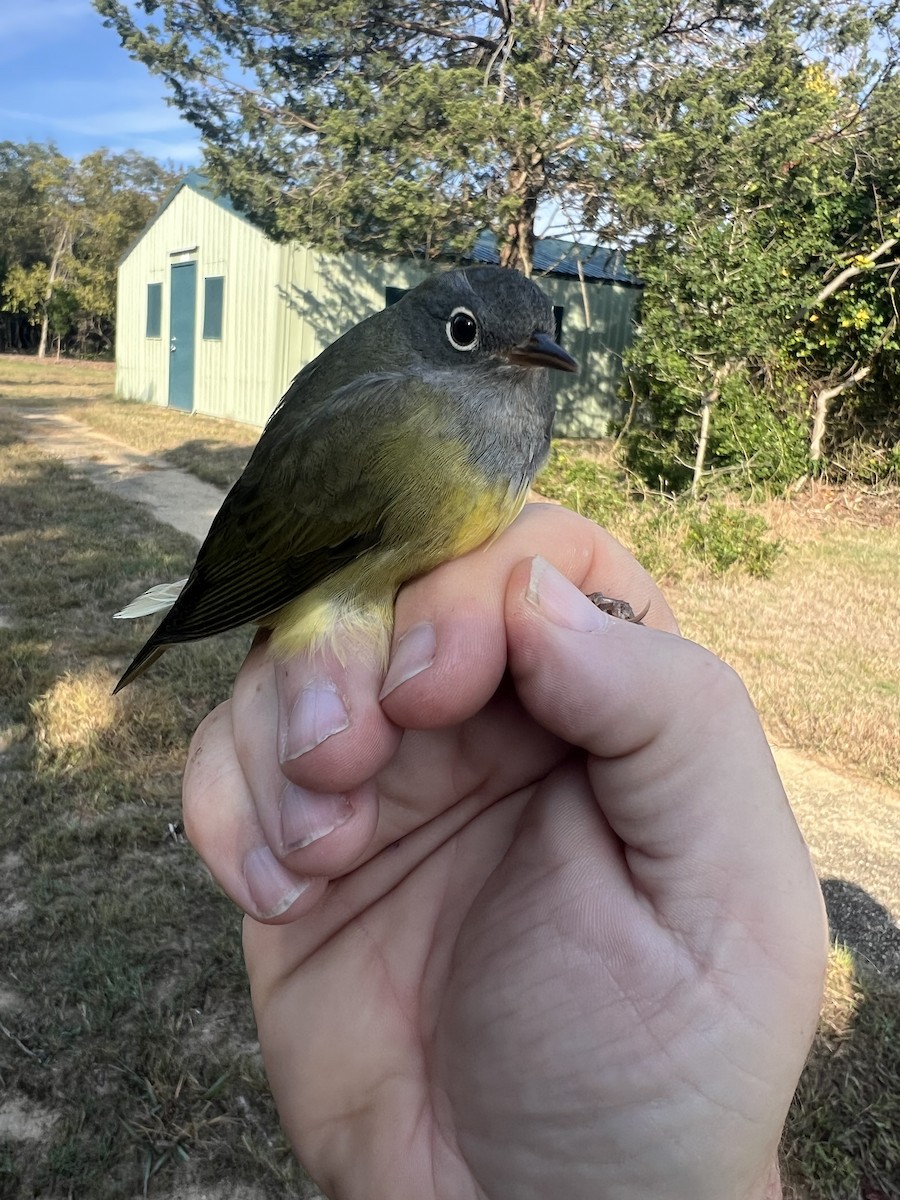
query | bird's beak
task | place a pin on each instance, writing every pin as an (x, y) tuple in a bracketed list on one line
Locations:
[(541, 351)]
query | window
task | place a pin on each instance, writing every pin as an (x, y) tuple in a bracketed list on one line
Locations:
[(213, 291), (558, 312), (154, 310)]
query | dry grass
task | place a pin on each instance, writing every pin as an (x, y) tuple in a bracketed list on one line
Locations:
[(29, 380), (817, 641), (214, 450), (818, 644), (125, 1018), (842, 1140)]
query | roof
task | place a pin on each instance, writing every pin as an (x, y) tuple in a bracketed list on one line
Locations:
[(552, 256), (556, 256)]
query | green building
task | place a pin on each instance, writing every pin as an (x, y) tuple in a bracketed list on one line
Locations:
[(214, 317)]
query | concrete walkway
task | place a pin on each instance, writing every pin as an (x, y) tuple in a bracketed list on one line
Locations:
[(852, 824), (173, 496)]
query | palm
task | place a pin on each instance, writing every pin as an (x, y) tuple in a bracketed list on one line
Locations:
[(470, 984)]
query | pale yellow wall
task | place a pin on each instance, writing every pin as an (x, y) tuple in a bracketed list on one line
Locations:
[(233, 377), (324, 295), (586, 402)]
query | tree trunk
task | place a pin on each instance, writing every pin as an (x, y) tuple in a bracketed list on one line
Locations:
[(824, 397), (526, 182), (709, 400), (517, 249), (45, 325), (48, 295)]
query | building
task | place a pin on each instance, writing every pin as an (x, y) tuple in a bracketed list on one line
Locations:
[(214, 317)]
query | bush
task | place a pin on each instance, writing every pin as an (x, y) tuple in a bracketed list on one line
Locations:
[(722, 537), (670, 537), (757, 434)]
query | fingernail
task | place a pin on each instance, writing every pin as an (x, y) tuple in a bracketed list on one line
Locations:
[(318, 713), (560, 600), (414, 654), (307, 816), (273, 889)]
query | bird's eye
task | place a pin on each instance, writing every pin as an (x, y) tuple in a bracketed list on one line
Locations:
[(462, 330)]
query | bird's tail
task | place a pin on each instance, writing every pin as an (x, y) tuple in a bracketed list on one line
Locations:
[(145, 657)]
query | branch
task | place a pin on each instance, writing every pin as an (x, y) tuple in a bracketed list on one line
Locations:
[(442, 34), (827, 394), (851, 272)]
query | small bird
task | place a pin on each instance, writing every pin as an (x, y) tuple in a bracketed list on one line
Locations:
[(409, 441)]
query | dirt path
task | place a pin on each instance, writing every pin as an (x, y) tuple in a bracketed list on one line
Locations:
[(173, 496), (851, 824)]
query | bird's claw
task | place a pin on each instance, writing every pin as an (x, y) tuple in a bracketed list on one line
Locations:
[(620, 609)]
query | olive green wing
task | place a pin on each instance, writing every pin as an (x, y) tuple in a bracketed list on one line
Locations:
[(307, 504)]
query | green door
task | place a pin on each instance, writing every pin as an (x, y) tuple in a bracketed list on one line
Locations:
[(182, 328)]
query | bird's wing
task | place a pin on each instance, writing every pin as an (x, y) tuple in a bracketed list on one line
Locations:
[(309, 501)]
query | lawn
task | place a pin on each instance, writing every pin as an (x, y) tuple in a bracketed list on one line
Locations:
[(125, 1031)]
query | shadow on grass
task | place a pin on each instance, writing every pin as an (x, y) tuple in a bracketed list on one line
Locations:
[(219, 463), (843, 1132), (125, 1017)]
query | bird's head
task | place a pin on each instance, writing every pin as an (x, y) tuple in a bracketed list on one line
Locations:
[(483, 317)]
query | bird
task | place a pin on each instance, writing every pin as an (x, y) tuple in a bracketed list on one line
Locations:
[(410, 440)]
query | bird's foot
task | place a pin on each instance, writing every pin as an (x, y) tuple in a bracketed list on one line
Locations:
[(620, 609)]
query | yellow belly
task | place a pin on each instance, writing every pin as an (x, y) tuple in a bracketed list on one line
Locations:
[(353, 610)]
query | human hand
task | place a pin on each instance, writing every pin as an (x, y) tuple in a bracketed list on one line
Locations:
[(563, 937)]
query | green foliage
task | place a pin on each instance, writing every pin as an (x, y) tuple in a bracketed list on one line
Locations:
[(411, 126), (25, 289), (745, 153), (59, 252), (723, 537), (671, 538), (768, 196), (758, 433)]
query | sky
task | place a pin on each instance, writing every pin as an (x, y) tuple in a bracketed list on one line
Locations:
[(65, 78)]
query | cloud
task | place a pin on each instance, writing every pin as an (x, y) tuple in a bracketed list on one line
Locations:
[(149, 118)]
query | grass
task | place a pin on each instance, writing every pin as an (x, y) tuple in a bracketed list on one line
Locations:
[(215, 451), (842, 1140), (124, 1015)]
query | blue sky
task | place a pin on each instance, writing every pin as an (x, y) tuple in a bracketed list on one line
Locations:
[(65, 78)]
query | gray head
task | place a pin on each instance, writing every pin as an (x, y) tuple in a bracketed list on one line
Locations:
[(482, 317)]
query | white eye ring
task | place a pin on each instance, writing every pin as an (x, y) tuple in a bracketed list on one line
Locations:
[(463, 329)]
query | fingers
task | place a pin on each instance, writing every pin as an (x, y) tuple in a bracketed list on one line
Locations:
[(220, 818), (462, 602), (340, 724), (320, 827), (679, 761), (309, 737)]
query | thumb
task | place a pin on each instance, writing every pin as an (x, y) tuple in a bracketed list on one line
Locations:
[(676, 755)]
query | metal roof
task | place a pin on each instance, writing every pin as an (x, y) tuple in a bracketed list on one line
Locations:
[(555, 256)]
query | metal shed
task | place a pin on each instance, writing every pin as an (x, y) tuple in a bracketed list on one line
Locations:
[(216, 318)]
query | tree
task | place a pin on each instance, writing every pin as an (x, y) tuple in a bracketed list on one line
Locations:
[(410, 126), (23, 234), (765, 204), (71, 221), (729, 144)]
